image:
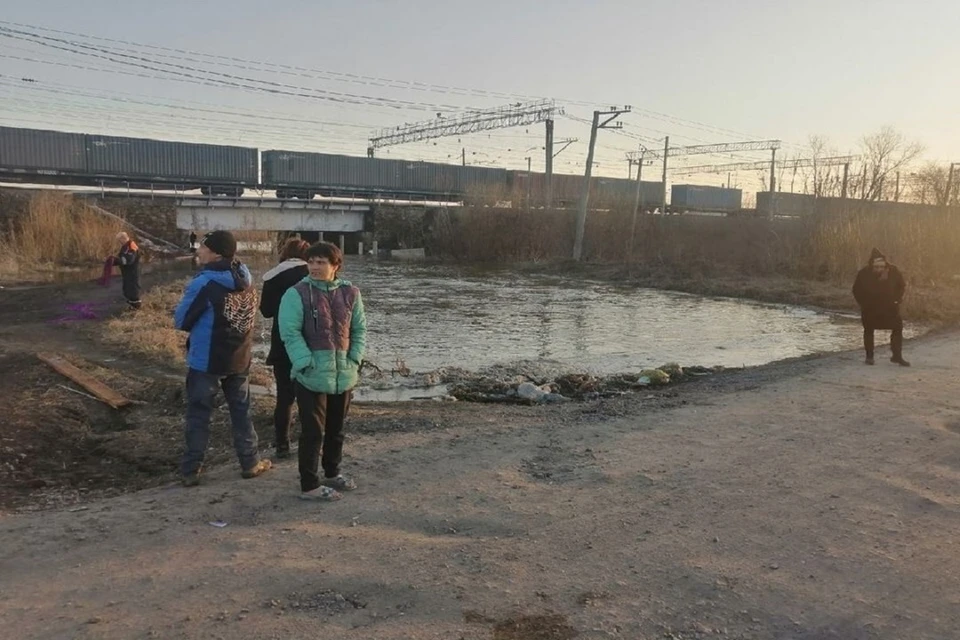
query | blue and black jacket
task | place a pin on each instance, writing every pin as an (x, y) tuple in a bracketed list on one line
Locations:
[(219, 309)]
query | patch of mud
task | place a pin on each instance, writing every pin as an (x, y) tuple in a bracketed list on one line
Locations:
[(326, 603), (551, 626), (58, 445), (558, 464), (547, 626)]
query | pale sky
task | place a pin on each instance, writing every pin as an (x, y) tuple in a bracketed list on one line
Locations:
[(700, 71)]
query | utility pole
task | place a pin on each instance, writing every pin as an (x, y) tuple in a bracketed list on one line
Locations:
[(896, 189), (610, 116), (773, 171), (638, 196), (637, 201), (846, 174), (663, 194), (949, 193), (529, 178), (548, 187), (773, 182), (464, 156)]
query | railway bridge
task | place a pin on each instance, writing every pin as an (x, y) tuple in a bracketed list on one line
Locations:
[(271, 214)]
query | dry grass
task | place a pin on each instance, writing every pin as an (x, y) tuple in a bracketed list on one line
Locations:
[(149, 331), (57, 230)]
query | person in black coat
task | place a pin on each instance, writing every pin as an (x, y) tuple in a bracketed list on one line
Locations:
[(291, 270), (879, 290), (128, 259)]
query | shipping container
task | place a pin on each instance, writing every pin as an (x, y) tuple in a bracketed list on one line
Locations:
[(785, 204), (703, 198), (605, 193), (161, 162), (611, 193), (304, 174), (32, 152)]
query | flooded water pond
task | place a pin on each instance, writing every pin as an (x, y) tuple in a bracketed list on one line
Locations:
[(427, 317)]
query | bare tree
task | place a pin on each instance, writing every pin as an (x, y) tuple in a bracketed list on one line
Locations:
[(930, 185), (884, 154), (826, 180)]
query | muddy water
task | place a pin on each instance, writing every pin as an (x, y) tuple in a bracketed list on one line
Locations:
[(429, 317)]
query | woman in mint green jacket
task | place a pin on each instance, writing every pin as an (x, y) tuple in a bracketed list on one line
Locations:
[(324, 331)]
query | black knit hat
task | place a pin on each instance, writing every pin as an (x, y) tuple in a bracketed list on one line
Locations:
[(221, 242), (876, 255)]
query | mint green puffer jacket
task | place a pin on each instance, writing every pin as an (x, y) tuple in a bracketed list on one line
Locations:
[(324, 330)]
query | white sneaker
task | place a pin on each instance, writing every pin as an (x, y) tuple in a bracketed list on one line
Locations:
[(321, 494)]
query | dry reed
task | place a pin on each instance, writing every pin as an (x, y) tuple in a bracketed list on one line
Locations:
[(58, 230)]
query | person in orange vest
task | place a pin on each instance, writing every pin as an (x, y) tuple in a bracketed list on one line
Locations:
[(129, 262)]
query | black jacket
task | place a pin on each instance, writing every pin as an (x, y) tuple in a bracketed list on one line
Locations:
[(129, 262), (880, 298), (275, 284)]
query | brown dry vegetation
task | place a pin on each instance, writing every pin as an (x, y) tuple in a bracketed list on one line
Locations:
[(149, 332), (56, 229), (697, 254)]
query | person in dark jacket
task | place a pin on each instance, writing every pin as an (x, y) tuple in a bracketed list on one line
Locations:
[(219, 310), (291, 270), (128, 259), (879, 290)]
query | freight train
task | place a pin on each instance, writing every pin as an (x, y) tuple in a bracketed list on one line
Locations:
[(56, 157)]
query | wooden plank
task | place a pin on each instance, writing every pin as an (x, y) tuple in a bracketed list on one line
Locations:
[(85, 380)]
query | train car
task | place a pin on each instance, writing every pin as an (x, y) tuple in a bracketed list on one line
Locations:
[(300, 174), (694, 197), (40, 156), (56, 157), (214, 169)]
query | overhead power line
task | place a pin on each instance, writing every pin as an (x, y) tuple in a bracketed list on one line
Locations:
[(224, 79), (249, 64)]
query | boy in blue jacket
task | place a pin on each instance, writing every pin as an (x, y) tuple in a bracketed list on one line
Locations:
[(218, 309)]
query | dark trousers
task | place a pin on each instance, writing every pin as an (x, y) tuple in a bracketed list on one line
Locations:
[(283, 412), (202, 390), (321, 420), (130, 276), (896, 342)]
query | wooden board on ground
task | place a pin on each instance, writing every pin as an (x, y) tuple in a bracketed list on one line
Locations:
[(85, 380)]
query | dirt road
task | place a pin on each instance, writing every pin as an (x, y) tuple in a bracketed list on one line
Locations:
[(805, 500)]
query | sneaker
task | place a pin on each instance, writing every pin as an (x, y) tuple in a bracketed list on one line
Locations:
[(900, 361), (257, 469), (191, 479), (869, 360), (283, 454), (340, 483), (321, 494)]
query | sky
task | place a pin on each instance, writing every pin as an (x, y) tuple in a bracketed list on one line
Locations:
[(700, 72)]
